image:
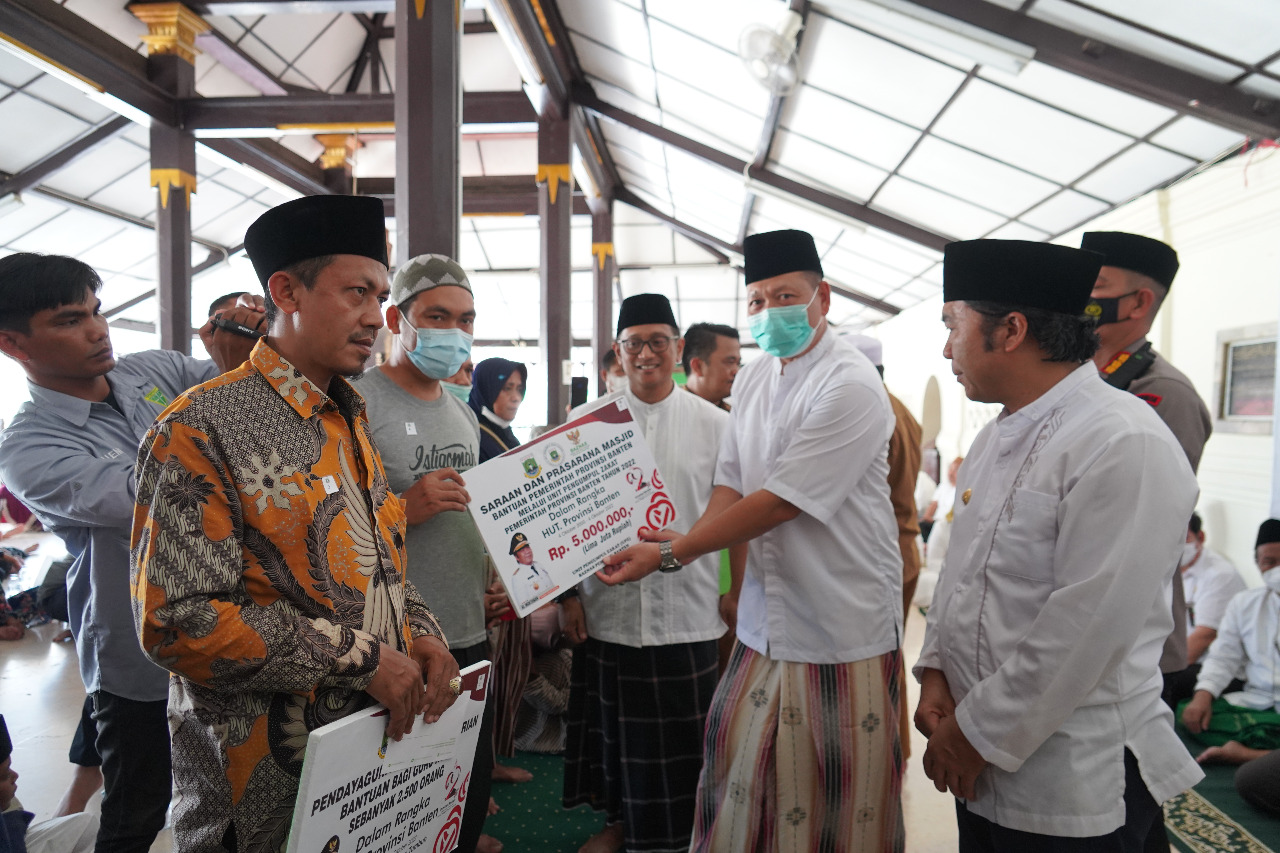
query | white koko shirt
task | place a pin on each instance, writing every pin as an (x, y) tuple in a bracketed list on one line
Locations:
[(825, 587), (1209, 583), (683, 432), (1248, 642), (1054, 605)]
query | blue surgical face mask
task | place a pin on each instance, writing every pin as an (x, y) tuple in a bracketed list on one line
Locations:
[(783, 332), (462, 392), (439, 353)]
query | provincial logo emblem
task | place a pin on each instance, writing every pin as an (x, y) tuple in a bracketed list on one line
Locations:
[(531, 467)]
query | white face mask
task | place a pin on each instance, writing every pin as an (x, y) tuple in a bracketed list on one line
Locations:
[(1271, 578), (613, 382), (1189, 553)]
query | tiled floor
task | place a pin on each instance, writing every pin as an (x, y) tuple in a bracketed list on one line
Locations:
[(41, 695)]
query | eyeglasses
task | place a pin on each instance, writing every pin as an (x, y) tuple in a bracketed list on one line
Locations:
[(655, 345)]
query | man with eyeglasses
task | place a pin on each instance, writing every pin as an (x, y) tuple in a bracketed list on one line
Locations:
[(643, 680)]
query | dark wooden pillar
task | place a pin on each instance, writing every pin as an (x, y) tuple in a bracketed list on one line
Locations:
[(555, 206), (428, 127), (171, 53), (604, 269), (336, 160)]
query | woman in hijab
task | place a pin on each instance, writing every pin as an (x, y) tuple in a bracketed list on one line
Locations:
[(497, 389)]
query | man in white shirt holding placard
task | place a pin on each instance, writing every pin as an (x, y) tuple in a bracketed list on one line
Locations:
[(642, 682)]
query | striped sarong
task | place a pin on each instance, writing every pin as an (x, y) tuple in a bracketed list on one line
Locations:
[(512, 655), (802, 757), (634, 745)]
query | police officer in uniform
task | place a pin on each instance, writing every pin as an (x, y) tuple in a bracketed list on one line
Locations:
[(530, 581), (1134, 280)]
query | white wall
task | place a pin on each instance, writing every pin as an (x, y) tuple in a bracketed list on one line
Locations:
[(1225, 224)]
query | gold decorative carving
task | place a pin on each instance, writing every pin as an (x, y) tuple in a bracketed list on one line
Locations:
[(552, 174), (338, 148), (167, 179), (602, 251), (171, 28)]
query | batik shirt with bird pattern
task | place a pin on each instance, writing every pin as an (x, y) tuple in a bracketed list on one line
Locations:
[(268, 570)]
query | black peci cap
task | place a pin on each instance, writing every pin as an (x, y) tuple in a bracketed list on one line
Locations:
[(1134, 252), (314, 226), (775, 253), (1017, 272), (645, 308)]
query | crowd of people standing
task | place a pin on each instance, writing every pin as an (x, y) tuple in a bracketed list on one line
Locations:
[(274, 538)]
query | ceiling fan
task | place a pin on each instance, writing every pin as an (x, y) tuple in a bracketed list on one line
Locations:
[(769, 53)]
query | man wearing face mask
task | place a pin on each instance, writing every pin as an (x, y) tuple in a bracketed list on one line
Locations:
[(429, 438), (1241, 726), (1210, 582), (611, 376), (459, 384), (1134, 281), (802, 745)]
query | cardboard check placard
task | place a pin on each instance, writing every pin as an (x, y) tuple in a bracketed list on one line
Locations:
[(550, 510)]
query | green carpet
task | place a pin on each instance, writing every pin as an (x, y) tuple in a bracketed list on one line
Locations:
[(532, 819), (1212, 818)]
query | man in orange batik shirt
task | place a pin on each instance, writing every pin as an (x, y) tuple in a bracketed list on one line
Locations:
[(268, 553)]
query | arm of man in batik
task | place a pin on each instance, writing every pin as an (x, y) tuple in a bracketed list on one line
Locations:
[(431, 651), (422, 622), (193, 615), (1107, 584)]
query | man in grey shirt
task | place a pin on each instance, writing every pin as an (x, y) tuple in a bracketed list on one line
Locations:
[(427, 438), (69, 456)]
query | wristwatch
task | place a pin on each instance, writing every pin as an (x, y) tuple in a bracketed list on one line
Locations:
[(669, 562)]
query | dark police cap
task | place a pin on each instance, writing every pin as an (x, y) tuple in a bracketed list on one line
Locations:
[(1269, 532), (1019, 273), (1144, 255), (314, 226), (645, 308), (6, 745), (519, 541), (775, 253)]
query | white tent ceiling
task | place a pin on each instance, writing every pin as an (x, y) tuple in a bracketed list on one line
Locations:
[(882, 117)]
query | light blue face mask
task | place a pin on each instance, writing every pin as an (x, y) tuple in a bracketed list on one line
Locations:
[(462, 392), (783, 332), (439, 353)]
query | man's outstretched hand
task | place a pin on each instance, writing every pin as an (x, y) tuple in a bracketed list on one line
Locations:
[(634, 563)]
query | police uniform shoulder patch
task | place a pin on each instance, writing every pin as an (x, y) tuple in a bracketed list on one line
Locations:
[(1153, 399)]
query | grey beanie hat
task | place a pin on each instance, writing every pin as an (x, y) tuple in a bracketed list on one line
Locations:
[(424, 273)]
